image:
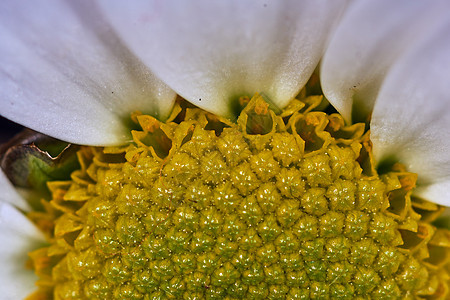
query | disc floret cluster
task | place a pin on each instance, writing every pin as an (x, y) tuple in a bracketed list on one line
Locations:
[(284, 205)]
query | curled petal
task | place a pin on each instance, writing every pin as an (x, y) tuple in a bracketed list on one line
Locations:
[(411, 119), (212, 52), (65, 73), (18, 236), (370, 38)]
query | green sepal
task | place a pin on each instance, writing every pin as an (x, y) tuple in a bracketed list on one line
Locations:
[(32, 159)]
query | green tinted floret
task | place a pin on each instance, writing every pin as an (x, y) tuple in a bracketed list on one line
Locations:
[(284, 206)]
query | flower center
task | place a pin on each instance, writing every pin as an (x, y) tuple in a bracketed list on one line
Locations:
[(272, 206)]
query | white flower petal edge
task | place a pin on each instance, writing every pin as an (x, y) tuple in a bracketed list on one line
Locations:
[(65, 73), (18, 236), (10, 195), (211, 52), (411, 118), (368, 40)]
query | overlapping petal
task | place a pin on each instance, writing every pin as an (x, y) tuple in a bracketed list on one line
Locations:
[(211, 52), (65, 73), (390, 59), (411, 117), (18, 236), (370, 38)]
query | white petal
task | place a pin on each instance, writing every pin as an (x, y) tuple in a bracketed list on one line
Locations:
[(65, 73), (10, 195), (370, 37), (411, 118), (211, 52), (18, 236)]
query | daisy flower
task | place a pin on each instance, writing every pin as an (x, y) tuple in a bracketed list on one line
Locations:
[(213, 163)]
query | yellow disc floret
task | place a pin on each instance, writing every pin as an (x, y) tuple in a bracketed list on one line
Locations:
[(274, 206)]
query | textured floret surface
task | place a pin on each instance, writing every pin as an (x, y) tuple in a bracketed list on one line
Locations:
[(272, 206)]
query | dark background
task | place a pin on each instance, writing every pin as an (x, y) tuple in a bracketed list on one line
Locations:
[(8, 129)]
